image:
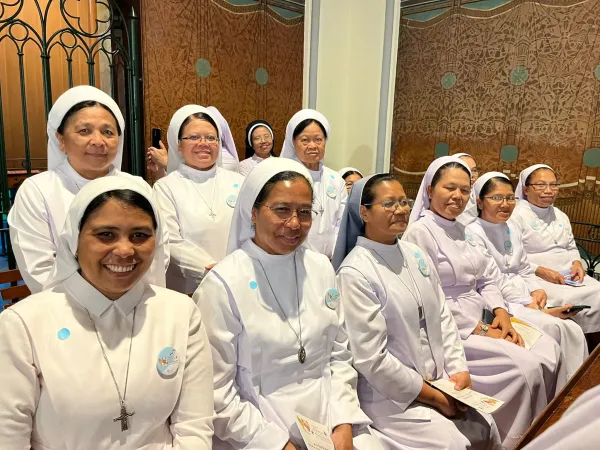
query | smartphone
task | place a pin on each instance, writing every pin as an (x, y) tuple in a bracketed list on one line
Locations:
[(569, 282), (156, 137), (487, 317), (573, 308)]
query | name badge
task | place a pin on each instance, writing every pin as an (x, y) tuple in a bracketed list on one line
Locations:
[(470, 240), (332, 298), (331, 193), (168, 361), (423, 267), (534, 225), (231, 200)]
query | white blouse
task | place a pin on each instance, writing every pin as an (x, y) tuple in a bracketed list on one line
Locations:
[(249, 163)]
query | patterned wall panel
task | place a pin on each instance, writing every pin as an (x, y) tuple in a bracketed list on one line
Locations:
[(245, 60)]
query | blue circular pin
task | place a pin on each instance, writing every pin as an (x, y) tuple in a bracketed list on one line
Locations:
[(332, 298), (331, 192), (236, 185), (63, 334), (231, 200), (470, 240), (417, 255), (423, 268), (253, 285), (332, 177), (560, 225), (168, 361)]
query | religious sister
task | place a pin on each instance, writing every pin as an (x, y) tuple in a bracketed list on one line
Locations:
[(259, 145)]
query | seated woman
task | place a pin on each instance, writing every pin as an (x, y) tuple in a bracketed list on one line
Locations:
[(550, 245), (196, 198), (305, 141), (104, 359), (401, 331), (277, 333), (498, 364), (85, 142), (470, 212), (230, 157), (350, 176), (516, 278), (259, 145)]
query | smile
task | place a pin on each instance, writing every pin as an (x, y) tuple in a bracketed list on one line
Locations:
[(290, 240), (120, 269)]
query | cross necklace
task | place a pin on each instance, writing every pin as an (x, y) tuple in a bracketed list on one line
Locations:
[(125, 414), (211, 213)]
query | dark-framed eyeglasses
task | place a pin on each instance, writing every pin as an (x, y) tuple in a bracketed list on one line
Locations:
[(510, 199), (393, 205), (540, 187), (196, 138), (285, 213)]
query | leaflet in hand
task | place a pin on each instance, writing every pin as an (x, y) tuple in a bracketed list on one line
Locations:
[(469, 397), (315, 434), (529, 334)]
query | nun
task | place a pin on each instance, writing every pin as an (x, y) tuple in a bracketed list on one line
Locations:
[(305, 141), (526, 299), (196, 198), (548, 239), (104, 359), (85, 141), (259, 145), (470, 212), (277, 332), (401, 331), (230, 159), (350, 176), (498, 363)]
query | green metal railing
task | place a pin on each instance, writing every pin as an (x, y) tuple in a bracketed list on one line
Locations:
[(113, 36)]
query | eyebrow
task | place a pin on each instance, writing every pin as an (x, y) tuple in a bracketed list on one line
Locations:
[(114, 228)]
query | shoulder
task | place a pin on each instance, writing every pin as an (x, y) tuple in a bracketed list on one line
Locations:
[(228, 175), (38, 184), (39, 308), (357, 262), (475, 229), (334, 177), (560, 215)]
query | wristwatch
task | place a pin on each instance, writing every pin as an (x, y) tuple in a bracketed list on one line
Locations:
[(484, 329)]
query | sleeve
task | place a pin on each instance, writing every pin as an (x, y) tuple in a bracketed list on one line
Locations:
[(21, 388), (516, 223), (184, 254), (368, 336), (239, 421), (31, 236), (340, 212), (244, 168), (527, 273), (343, 400), (192, 419), (487, 283), (571, 244)]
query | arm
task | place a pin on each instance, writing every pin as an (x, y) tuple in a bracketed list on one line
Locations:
[(238, 421), (368, 334), (187, 256), (20, 396), (340, 212), (454, 354), (577, 271), (31, 236), (527, 272), (192, 419)]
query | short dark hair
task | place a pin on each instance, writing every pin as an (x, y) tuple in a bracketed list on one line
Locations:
[(126, 196), (287, 175), (306, 122), (198, 115), (488, 186), (450, 165), (351, 172), (368, 194), (82, 105)]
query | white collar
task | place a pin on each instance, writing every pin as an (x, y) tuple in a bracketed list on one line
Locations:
[(255, 252), (67, 169), (195, 174)]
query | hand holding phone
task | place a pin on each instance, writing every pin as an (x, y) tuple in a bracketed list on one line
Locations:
[(156, 137)]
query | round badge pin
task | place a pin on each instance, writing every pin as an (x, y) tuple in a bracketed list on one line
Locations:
[(332, 298), (231, 200), (423, 268), (331, 192), (470, 240), (534, 225), (508, 246), (64, 334), (168, 361)]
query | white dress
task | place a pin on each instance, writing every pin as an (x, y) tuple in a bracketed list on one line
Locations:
[(58, 391), (259, 381), (525, 380), (196, 240), (330, 196), (384, 289), (248, 164), (549, 242), (229, 161), (37, 218), (470, 213), (517, 280)]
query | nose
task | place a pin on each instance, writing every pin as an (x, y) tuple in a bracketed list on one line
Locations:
[(96, 138), (293, 221), (123, 248)]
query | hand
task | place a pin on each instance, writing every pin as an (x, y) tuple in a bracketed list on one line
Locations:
[(209, 267), (342, 437), (462, 380), (290, 446), (445, 404), (551, 276), (560, 311), (540, 298), (157, 158), (577, 272), (502, 322)]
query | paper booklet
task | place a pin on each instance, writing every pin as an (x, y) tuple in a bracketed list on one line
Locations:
[(529, 334), (469, 397), (315, 434)]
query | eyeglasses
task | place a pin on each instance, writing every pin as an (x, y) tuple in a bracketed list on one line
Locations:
[(499, 199), (540, 187), (393, 205), (195, 138), (263, 138), (305, 141), (285, 213), (474, 170)]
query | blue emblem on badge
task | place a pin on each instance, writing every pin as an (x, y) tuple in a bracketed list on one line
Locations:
[(508, 246), (253, 285), (423, 268), (63, 334), (168, 361), (231, 200), (331, 192), (332, 298)]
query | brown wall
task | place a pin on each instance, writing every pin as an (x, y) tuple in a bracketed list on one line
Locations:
[(236, 41)]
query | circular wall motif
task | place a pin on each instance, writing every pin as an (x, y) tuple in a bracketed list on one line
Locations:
[(442, 149), (203, 68), (591, 157), (448, 80), (262, 76), (519, 76), (509, 153), (597, 72)]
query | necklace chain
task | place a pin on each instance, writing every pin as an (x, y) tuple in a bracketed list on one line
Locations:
[(212, 213), (416, 297)]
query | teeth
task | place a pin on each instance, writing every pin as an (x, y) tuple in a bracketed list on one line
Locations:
[(120, 269)]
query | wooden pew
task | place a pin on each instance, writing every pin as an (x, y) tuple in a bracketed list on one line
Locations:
[(15, 292), (585, 378)]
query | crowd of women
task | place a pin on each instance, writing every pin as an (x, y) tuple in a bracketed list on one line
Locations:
[(303, 298)]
